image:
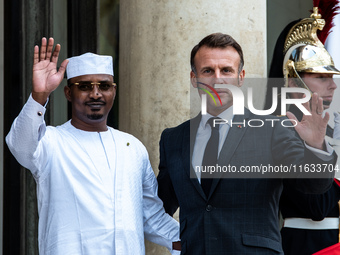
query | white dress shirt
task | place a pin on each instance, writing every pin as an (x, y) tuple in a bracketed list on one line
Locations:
[(203, 135)]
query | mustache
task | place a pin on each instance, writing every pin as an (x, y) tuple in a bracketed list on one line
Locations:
[(95, 101)]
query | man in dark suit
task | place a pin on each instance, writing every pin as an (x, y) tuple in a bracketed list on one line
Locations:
[(224, 215)]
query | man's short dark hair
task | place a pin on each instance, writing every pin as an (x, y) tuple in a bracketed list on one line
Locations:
[(217, 40)]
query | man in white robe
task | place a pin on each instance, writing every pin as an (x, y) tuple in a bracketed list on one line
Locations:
[(96, 190)]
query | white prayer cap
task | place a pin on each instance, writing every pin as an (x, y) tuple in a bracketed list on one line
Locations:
[(89, 63)]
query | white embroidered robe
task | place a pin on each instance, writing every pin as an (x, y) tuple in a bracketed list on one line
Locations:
[(97, 193)]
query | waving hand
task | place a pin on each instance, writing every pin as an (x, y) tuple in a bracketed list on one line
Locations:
[(46, 78), (312, 128)]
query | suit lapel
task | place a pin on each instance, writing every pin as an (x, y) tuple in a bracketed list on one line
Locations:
[(188, 143), (235, 134), (186, 148)]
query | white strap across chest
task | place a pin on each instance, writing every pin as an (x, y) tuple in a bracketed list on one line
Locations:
[(302, 223)]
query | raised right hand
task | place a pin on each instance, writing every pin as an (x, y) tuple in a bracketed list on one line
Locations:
[(312, 128), (46, 78)]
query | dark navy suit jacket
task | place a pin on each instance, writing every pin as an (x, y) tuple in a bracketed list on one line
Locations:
[(240, 216)]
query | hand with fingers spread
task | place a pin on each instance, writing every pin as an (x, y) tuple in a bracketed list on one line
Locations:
[(312, 128), (46, 78)]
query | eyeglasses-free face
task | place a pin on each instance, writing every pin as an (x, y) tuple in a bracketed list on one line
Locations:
[(89, 85)]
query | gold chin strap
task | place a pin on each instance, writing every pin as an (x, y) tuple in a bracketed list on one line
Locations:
[(290, 72)]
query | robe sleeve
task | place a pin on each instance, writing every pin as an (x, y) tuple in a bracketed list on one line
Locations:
[(159, 227), (24, 138)]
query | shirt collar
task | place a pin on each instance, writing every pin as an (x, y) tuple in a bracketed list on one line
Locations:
[(226, 115)]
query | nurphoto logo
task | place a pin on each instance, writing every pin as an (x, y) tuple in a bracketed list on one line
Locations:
[(238, 104), (238, 99)]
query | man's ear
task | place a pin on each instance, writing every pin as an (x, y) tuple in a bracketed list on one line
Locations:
[(67, 92), (193, 79), (241, 77)]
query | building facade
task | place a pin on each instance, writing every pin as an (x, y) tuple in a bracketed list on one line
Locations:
[(150, 41)]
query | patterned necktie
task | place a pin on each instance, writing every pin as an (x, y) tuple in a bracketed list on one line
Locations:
[(210, 156)]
